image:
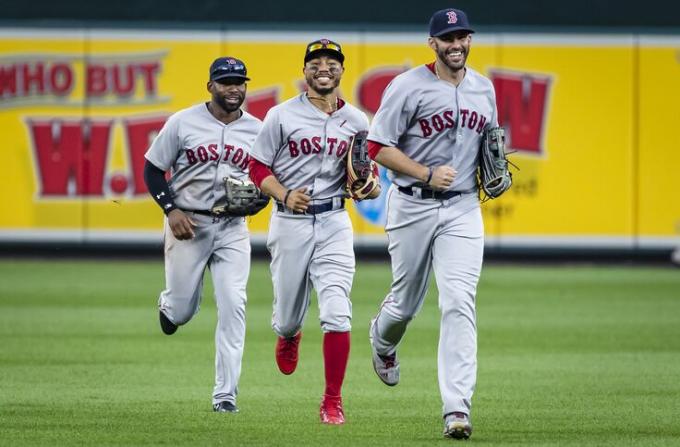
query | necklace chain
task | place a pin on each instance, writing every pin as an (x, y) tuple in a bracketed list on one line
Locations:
[(332, 107)]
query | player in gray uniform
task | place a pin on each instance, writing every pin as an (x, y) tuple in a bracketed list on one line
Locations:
[(427, 132), (299, 160), (200, 146)]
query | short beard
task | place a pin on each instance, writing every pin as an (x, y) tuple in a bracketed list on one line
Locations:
[(220, 101), (322, 90), (441, 55)]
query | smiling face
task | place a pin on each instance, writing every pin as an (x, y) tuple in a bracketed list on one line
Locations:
[(228, 93), (452, 49), (323, 74)]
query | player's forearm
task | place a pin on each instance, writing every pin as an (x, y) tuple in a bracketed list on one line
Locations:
[(271, 186), (395, 160), (154, 178)]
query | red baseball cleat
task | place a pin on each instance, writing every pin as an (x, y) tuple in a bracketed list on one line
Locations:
[(287, 353), (331, 411)]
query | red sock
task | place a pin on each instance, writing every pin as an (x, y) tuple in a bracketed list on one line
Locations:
[(335, 355)]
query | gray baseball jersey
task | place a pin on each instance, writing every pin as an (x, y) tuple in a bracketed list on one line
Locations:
[(200, 150), (307, 147), (190, 144), (436, 123)]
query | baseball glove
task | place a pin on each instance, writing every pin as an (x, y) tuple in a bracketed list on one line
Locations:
[(362, 178), (494, 176), (242, 198)]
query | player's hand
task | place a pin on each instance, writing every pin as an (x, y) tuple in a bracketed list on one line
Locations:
[(298, 200), (181, 225), (442, 177)]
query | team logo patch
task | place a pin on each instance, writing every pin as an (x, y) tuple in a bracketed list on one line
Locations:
[(453, 18), (231, 61)]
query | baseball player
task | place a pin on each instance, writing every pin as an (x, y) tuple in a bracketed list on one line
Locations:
[(298, 159), (427, 132), (200, 146)]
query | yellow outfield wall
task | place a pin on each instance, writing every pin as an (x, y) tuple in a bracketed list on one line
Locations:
[(591, 120)]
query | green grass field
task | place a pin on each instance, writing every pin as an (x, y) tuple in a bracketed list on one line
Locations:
[(567, 356)]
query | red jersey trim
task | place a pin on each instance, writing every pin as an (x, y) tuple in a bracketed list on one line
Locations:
[(258, 171), (373, 149), (430, 66)]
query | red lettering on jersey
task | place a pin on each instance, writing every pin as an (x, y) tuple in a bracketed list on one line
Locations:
[(463, 114), (331, 144), (316, 141), (259, 103), (244, 163), (227, 151), (214, 155), (372, 85), (293, 148), (140, 134), (473, 120), (305, 146), (238, 155), (425, 127), (522, 100), (342, 148), (438, 123), (191, 157), (70, 151), (448, 116), (202, 154), (482, 122)]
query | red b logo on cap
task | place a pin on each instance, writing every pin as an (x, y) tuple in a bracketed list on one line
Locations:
[(453, 18)]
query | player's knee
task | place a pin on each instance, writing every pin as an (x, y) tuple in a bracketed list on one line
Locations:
[(401, 314), (231, 301), (179, 316), (459, 302)]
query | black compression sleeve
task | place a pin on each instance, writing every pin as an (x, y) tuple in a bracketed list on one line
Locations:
[(158, 187)]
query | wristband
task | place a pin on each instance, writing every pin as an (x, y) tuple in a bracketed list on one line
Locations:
[(169, 207), (285, 198)]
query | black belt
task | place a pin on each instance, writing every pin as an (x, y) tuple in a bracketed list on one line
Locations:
[(206, 213), (315, 209), (426, 193)]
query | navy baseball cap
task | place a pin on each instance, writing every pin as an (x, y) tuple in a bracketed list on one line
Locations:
[(228, 67), (324, 46), (447, 21)]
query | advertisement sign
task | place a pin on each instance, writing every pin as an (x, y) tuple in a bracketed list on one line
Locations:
[(589, 120)]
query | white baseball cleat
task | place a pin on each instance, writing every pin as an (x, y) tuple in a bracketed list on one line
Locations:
[(385, 366), (457, 425)]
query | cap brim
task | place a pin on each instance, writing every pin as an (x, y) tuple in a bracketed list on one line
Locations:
[(452, 29), (230, 75), (333, 53)]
